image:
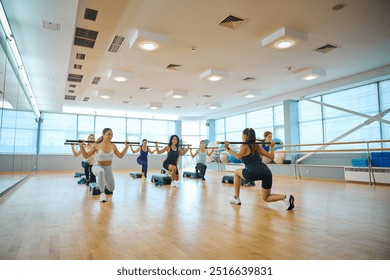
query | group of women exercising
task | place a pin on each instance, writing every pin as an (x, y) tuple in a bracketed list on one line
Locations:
[(99, 156)]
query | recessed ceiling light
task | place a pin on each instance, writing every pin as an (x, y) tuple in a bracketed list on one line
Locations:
[(214, 75), (177, 94), (148, 46), (104, 94), (147, 40), (284, 38), (284, 44), (310, 74), (119, 76), (154, 105)]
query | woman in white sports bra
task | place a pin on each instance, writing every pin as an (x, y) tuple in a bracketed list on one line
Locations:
[(103, 167)]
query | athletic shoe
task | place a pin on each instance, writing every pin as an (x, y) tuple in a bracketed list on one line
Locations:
[(235, 201), (173, 183), (289, 201), (103, 197)]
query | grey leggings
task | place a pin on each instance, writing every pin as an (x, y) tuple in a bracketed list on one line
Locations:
[(105, 177)]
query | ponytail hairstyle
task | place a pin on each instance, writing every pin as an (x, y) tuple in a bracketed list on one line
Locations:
[(143, 141), (100, 139), (251, 137)]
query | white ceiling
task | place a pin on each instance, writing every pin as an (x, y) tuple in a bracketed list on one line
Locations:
[(361, 30)]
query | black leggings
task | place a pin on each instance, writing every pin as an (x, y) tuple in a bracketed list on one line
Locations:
[(201, 168), (89, 176)]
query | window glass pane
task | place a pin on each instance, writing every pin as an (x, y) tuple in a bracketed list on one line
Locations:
[(55, 129), (219, 126), (279, 115), (86, 126), (309, 111), (117, 125), (310, 132), (384, 93), (352, 99), (134, 130), (235, 123), (260, 120), (158, 130)]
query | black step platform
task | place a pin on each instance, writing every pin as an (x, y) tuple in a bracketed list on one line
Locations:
[(136, 175), (161, 179), (228, 179), (95, 190), (194, 175)]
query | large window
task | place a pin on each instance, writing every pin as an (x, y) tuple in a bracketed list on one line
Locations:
[(271, 119), (192, 133), (57, 128), (18, 133), (344, 116)]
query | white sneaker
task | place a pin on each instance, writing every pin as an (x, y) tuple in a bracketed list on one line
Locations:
[(235, 201), (289, 201), (173, 183), (103, 197)]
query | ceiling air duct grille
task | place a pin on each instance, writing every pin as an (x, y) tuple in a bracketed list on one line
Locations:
[(96, 80), (173, 67), (80, 56), (232, 22), (326, 48), (90, 14), (75, 78), (86, 99), (116, 44), (248, 79), (70, 97), (85, 38)]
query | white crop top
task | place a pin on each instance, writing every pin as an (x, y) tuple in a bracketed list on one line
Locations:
[(102, 156)]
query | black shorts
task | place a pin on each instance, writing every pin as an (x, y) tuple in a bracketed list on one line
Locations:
[(166, 166), (258, 172)]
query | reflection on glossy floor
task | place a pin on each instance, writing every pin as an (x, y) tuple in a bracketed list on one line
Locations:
[(52, 217)]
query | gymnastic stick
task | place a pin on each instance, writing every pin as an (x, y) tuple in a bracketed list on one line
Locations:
[(70, 142), (257, 142)]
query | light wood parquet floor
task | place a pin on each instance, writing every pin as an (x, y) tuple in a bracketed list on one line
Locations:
[(50, 216)]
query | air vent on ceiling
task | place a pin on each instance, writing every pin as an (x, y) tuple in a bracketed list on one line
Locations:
[(77, 66), (127, 102), (248, 79), (70, 97), (173, 67), (326, 48), (96, 80), (206, 95), (72, 86), (86, 99), (85, 38), (75, 78), (90, 14), (116, 44), (80, 56), (71, 91), (51, 25), (232, 22), (145, 88)]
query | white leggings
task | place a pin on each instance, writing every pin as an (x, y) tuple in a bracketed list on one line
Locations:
[(105, 177)]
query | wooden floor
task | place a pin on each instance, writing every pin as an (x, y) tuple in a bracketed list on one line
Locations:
[(50, 216)]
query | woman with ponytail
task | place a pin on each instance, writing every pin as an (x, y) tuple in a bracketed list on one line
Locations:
[(250, 154), (105, 151)]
